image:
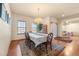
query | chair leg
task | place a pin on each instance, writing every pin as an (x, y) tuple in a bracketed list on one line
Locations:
[(46, 48), (30, 46), (40, 47), (51, 45)]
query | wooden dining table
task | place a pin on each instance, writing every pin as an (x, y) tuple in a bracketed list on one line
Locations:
[(38, 38)]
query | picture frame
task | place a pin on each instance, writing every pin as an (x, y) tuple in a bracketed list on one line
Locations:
[(4, 14), (0, 9)]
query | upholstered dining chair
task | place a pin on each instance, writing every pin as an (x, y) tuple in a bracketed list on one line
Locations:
[(28, 41)]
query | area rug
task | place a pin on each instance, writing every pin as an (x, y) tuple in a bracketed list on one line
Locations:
[(25, 51), (34, 52)]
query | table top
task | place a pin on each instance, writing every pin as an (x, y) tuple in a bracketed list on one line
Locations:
[(34, 35), (38, 38)]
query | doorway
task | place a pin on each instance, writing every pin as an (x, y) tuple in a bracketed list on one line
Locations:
[(54, 29)]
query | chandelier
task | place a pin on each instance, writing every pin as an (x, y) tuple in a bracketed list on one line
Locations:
[(38, 19)]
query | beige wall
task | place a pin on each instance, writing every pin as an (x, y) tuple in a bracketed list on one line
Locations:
[(16, 17), (5, 34)]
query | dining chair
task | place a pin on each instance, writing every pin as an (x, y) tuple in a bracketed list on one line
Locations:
[(43, 47), (28, 41), (49, 40)]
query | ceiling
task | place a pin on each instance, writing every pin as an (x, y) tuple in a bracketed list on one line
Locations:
[(58, 10)]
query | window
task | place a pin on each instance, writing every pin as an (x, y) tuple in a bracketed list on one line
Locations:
[(21, 27), (34, 27)]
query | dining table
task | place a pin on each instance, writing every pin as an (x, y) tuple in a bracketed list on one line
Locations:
[(38, 38)]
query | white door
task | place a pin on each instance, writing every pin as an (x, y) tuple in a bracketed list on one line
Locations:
[(54, 29)]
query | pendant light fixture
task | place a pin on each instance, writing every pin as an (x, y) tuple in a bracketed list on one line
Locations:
[(38, 19)]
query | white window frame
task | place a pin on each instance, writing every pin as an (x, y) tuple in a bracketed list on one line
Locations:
[(21, 28)]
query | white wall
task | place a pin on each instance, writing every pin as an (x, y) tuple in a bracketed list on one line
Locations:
[(54, 26), (16, 17), (48, 20), (5, 34), (71, 26), (29, 21)]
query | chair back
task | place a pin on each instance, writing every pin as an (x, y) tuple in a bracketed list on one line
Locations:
[(49, 37), (49, 40), (29, 42), (27, 36)]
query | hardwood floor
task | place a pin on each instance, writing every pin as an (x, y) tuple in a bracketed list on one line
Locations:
[(70, 50), (14, 49)]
